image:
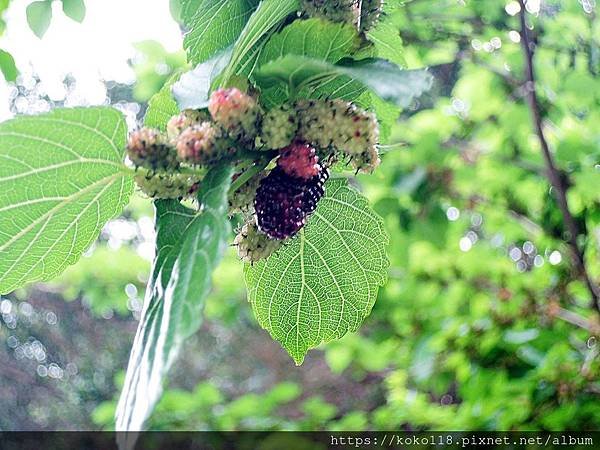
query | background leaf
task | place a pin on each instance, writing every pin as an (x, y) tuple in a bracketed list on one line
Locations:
[(384, 78), (61, 178), (75, 9), (261, 24), (7, 66), (193, 88), (325, 281), (215, 25), (39, 15), (189, 247)]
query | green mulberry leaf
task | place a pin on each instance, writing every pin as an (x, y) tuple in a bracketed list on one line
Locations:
[(61, 179), (384, 78), (315, 38), (215, 25), (262, 24), (324, 283), (162, 106)]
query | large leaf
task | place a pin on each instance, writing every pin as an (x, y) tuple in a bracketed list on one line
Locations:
[(187, 10), (384, 78), (215, 25), (61, 179), (262, 23), (189, 247), (315, 38), (325, 281), (192, 91), (39, 16)]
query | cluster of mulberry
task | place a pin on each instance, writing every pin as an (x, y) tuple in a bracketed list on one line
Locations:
[(170, 163), (303, 138)]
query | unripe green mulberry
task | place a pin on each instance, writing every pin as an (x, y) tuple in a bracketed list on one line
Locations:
[(242, 200), (236, 112), (279, 127), (253, 246), (367, 161), (166, 185), (340, 126), (370, 13), (187, 118), (364, 14), (203, 144), (347, 11), (148, 148)]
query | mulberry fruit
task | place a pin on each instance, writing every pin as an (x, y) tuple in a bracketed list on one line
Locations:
[(149, 149), (164, 185), (236, 112), (299, 161), (253, 245), (283, 203), (279, 127), (367, 161), (187, 118), (340, 126), (370, 13), (203, 144), (242, 200), (347, 11)]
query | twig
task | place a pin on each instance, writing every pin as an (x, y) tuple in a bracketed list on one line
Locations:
[(575, 319), (559, 187)]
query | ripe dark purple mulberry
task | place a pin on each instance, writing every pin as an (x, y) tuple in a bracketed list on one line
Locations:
[(283, 203)]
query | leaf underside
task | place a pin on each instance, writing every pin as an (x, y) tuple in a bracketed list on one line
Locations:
[(61, 179), (324, 283), (189, 247), (386, 79)]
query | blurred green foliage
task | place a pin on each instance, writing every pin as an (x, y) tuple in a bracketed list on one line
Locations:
[(105, 285), (153, 66)]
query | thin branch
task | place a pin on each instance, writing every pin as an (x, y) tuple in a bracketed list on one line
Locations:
[(558, 184), (575, 319)]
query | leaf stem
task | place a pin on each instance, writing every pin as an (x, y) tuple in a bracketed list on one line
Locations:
[(558, 184), (250, 172)]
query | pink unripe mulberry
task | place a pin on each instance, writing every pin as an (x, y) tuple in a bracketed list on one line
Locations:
[(236, 112), (300, 161), (203, 144)]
